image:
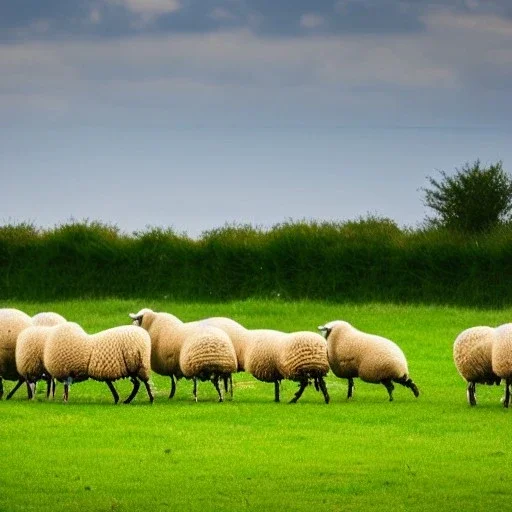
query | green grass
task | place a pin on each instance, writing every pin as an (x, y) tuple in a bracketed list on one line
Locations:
[(430, 453)]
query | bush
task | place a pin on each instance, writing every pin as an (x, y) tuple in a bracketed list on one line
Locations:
[(474, 199)]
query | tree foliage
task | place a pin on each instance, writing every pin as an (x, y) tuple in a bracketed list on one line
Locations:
[(474, 199)]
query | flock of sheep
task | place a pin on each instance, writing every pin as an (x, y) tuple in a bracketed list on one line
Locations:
[(47, 347)]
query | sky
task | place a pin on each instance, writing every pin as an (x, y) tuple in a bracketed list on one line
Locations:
[(193, 114)]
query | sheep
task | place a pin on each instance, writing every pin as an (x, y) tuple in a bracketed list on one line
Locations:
[(472, 354), (29, 359), (12, 323), (167, 334), (502, 358), (353, 353), (72, 355), (272, 356), (207, 354)]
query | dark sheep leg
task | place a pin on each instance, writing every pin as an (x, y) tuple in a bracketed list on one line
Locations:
[(148, 389), (215, 381), (135, 390), (1, 388), (115, 394), (506, 401), (67, 383), (323, 388), (471, 393), (298, 394), (389, 386), (195, 388), (276, 390), (15, 388), (351, 387), (173, 387)]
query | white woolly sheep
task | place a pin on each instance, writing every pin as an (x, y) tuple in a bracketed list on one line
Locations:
[(502, 358), (208, 354), (72, 355), (167, 334), (353, 353), (12, 323), (472, 354), (272, 356), (30, 350)]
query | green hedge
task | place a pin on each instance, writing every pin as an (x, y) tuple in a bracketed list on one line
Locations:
[(366, 260)]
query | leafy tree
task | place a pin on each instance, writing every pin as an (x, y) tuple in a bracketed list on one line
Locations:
[(474, 199)]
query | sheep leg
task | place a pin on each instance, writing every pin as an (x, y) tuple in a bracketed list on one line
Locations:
[(148, 389), (1, 388), (323, 387), (389, 386), (298, 394), (471, 393), (408, 383), (351, 387), (195, 388), (31, 390), (15, 388), (115, 394), (276, 391), (228, 384), (50, 387), (506, 400), (215, 381), (317, 383), (173, 387), (53, 387), (67, 383), (135, 390)]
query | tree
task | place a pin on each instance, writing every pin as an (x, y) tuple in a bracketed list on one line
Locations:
[(474, 199)]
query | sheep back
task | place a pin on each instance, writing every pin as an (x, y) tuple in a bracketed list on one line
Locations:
[(264, 353), (502, 352), (12, 323), (30, 351), (303, 354), (207, 350), (372, 358), (238, 334), (67, 352), (120, 352), (472, 354), (48, 319)]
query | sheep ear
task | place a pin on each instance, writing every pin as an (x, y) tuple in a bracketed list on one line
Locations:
[(137, 319), (133, 316), (324, 330)]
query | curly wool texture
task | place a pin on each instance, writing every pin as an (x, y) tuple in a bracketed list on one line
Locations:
[(502, 352), (238, 335), (263, 354), (353, 353), (472, 354), (48, 319), (205, 351), (303, 354), (12, 323), (107, 355)]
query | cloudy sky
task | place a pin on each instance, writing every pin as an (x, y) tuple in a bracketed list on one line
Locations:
[(194, 113)]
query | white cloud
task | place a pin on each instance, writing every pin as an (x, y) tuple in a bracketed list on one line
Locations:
[(151, 7), (311, 20)]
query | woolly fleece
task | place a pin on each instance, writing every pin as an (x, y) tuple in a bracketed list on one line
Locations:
[(12, 323), (353, 353), (472, 354), (502, 352), (206, 351)]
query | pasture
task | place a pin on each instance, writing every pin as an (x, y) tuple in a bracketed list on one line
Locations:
[(430, 453)]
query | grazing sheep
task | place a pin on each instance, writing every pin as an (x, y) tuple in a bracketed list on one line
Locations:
[(472, 354), (12, 323), (72, 355), (30, 351), (208, 354), (272, 356), (167, 334), (48, 319), (502, 358), (303, 358), (353, 353)]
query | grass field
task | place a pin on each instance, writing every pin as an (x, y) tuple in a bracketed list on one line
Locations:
[(430, 453)]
